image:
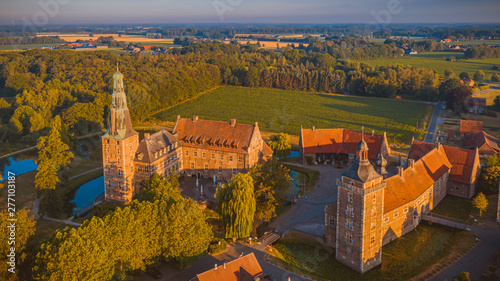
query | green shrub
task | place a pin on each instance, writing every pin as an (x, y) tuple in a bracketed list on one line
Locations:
[(217, 245), (309, 160), (485, 87), (490, 113)]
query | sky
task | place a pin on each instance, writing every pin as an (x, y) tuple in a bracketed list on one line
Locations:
[(46, 12)]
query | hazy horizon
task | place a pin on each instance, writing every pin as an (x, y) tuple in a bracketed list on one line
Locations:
[(48, 12)]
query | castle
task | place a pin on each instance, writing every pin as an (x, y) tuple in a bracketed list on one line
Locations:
[(373, 209), (200, 148)]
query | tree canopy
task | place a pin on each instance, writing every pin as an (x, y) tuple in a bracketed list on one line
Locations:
[(280, 144), (236, 205)]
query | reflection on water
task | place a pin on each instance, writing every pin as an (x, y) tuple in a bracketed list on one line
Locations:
[(86, 194), (17, 166), (294, 153), (297, 183)]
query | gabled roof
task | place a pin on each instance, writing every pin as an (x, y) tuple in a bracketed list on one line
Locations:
[(155, 146), (248, 265), (209, 134), (414, 181), (463, 161), (477, 101), (470, 126), (339, 141), (486, 143)]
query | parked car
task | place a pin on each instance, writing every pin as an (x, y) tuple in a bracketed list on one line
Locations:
[(155, 273)]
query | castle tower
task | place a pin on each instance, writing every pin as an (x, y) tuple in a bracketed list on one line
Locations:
[(119, 145), (359, 213)]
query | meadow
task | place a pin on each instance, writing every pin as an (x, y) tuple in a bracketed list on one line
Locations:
[(490, 96), (286, 111), (434, 60), (72, 37)]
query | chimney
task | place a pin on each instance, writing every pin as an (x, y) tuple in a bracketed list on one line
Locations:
[(146, 135), (400, 171), (233, 122), (410, 163), (195, 118), (215, 267), (178, 117), (224, 265), (412, 139), (373, 133), (314, 129), (256, 124), (438, 145)]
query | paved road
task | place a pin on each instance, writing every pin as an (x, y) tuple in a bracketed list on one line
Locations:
[(19, 151), (477, 260), (430, 137)]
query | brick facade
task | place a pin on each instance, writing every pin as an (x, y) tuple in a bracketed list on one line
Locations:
[(372, 211)]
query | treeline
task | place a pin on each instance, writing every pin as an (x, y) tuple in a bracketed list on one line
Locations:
[(355, 49), (454, 33), (31, 40), (419, 46), (482, 52)]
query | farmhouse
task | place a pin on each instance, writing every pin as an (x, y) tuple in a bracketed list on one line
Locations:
[(477, 105), (197, 147), (372, 211), (338, 145), (486, 143)]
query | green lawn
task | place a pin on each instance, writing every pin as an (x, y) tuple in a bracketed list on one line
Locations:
[(434, 60), (455, 207), (286, 111), (401, 259)]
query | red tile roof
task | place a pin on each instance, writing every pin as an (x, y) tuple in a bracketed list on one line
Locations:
[(402, 190), (463, 161), (250, 268), (477, 101), (215, 135), (339, 141), (487, 144), (470, 126), (419, 148)]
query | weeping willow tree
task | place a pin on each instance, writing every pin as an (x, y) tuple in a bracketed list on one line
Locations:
[(236, 205)]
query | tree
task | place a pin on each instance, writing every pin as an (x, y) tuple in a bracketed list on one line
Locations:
[(480, 202), (457, 99), (496, 104), (447, 86), (53, 153), (479, 75), (24, 229), (272, 181), (495, 77), (448, 74), (280, 144), (464, 75), (236, 205), (490, 174), (463, 276)]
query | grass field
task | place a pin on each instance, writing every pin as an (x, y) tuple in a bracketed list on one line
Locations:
[(286, 111), (434, 60), (401, 259), (25, 47)]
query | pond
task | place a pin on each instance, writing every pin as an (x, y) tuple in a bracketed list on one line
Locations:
[(18, 164), (297, 183), (86, 194), (293, 153)]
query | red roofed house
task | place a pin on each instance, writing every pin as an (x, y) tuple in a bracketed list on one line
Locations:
[(477, 105), (465, 170), (220, 149), (327, 145), (468, 127), (246, 268), (372, 211), (485, 143)]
